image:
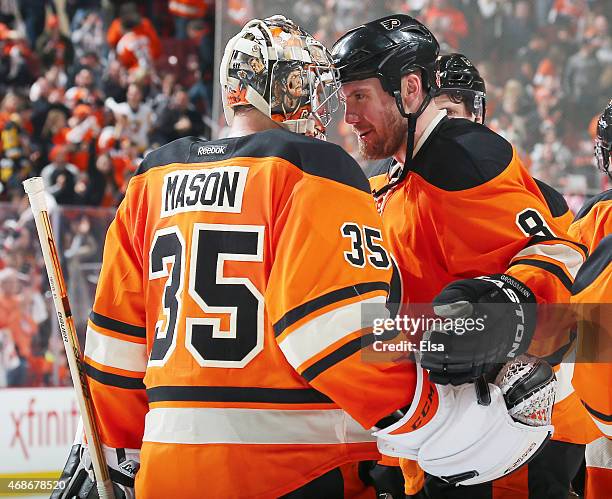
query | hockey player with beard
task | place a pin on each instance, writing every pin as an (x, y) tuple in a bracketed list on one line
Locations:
[(465, 221)]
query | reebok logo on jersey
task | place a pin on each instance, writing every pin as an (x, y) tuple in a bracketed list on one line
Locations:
[(211, 189), (212, 149)]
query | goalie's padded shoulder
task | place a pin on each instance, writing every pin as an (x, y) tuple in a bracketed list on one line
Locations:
[(312, 156)]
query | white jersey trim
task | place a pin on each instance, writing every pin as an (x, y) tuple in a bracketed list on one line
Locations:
[(113, 352), (605, 428), (571, 258), (598, 454), (564, 377), (318, 334), (205, 425)]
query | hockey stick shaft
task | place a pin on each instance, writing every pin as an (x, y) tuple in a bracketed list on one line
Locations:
[(35, 190)]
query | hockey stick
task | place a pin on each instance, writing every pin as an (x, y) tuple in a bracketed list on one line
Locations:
[(35, 190)]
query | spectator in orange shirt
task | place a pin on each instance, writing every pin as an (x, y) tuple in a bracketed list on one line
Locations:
[(134, 39), (446, 22), (125, 162), (21, 325), (185, 11)]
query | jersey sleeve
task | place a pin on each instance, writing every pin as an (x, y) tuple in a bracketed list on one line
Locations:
[(548, 261), (548, 264), (330, 265), (549, 258), (115, 346)]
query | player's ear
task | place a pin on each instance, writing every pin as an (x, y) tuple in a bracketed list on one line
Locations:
[(411, 91)]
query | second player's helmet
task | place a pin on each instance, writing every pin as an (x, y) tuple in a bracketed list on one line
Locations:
[(603, 140), (460, 78), (282, 71), (387, 49)]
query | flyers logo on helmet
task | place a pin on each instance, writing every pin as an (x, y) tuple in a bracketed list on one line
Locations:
[(390, 24)]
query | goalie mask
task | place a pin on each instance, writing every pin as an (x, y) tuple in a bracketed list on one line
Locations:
[(278, 68), (603, 140)]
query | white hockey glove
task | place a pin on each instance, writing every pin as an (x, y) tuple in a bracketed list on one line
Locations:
[(467, 443), (78, 481)]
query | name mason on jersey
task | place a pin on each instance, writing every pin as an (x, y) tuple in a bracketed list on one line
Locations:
[(211, 189)]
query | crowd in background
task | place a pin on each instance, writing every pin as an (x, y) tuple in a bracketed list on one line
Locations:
[(88, 89), (85, 92), (547, 66)]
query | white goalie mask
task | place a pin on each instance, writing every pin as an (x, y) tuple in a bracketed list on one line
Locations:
[(282, 71)]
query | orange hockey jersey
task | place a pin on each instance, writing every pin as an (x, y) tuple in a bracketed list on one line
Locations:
[(469, 208), (449, 240), (226, 331), (592, 294)]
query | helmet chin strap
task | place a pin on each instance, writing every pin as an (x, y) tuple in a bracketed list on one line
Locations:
[(412, 122)]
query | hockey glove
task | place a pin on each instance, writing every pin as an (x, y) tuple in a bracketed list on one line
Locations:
[(77, 479), (462, 442), (487, 321)]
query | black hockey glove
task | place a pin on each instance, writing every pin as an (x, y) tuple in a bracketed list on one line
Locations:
[(77, 479), (485, 322)]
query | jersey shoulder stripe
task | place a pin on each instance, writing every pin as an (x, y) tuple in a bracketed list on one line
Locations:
[(337, 356), (460, 154), (549, 267), (554, 199), (590, 204), (599, 415), (594, 266), (534, 240), (337, 295), (312, 156)]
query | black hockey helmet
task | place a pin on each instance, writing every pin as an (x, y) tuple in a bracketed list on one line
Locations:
[(458, 73), (387, 49), (603, 140), (460, 78)]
